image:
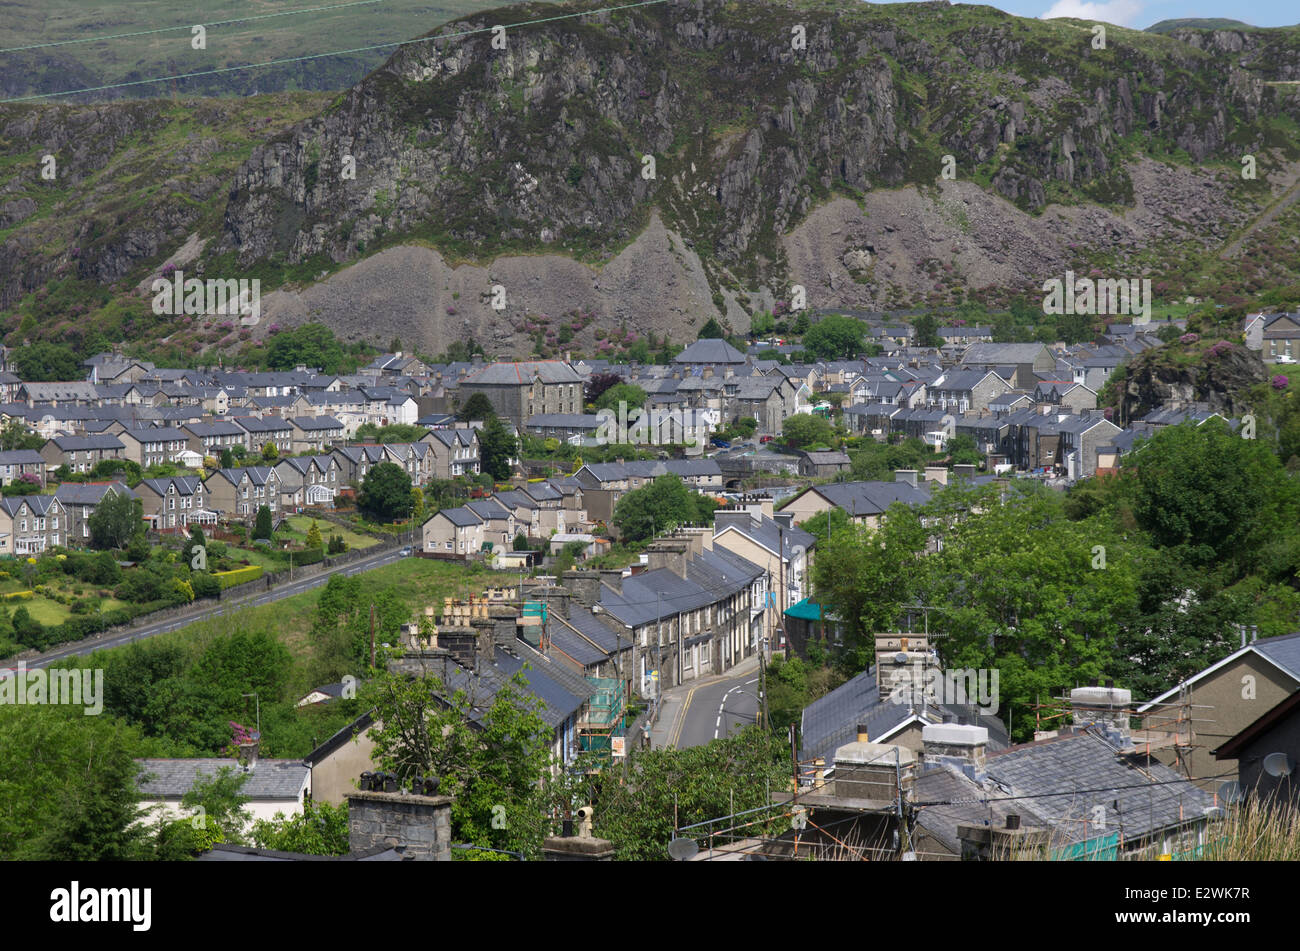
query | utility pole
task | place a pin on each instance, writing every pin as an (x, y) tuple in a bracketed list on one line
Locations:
[(372, 635)]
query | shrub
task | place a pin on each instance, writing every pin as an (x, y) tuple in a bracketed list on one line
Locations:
[(204, 585), (228, 579)]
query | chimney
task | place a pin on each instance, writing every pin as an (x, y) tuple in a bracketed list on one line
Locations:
[(937, 474), (956, 745), (1106, 708), (905, 475), (964, 471), (874, 771), (584, 586), (724, 517), (784, 519), (670, 553), (380, 815)]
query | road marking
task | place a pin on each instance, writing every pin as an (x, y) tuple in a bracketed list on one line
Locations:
[(681, 716)]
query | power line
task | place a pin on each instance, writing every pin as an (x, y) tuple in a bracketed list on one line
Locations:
[(310, 56), (172, 29)]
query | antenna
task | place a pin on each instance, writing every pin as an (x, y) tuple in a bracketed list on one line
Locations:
[(682, 849), (1231, 792), (1278, 765)]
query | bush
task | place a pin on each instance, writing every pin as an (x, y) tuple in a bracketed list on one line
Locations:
[(205, 585), (228, 579)]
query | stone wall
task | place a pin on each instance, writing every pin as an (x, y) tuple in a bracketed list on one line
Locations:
[(421, 824)]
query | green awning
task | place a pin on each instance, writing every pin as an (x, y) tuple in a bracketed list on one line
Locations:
[(805, 610)]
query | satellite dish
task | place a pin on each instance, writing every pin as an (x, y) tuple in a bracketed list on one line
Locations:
[(900, 658), (682, 849), (1231, 792), (1278, 765)]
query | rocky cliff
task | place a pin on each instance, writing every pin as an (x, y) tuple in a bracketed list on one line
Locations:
[(655, 166)]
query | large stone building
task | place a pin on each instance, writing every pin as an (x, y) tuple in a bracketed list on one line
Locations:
[(520, 390)]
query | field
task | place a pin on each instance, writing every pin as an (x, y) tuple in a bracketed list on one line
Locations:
[(301, 523), (419, 581)]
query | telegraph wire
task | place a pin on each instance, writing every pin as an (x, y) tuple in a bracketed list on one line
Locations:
[(310, 56)]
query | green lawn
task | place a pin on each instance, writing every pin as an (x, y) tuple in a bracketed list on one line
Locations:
[(420, 581), (301, 523)]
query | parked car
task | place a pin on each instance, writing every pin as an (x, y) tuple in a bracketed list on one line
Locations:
[(765, 440), (405, 553), (721, 443)]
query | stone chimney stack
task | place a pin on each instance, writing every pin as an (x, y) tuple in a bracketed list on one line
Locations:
[(1105, 708), (392, 817), (937, 474), (952, 744), (906, 475)]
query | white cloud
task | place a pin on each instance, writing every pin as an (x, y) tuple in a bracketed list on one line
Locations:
[(1119, 12)]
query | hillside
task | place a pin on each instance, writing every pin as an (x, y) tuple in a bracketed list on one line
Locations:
[(1194, 23), (86, 45), (523, 167)]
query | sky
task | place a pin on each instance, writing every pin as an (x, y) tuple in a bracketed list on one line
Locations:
[(1140, 14)]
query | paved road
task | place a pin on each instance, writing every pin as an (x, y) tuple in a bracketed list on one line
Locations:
[(702, 711), (117, 639)]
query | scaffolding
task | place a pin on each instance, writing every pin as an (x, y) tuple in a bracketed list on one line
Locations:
[(1169, 725), (602, 731)]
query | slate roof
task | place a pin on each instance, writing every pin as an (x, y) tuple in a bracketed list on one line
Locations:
[(87, 493), (1062, 779), (459, 516), (80, 443), (710, 351), (520, 374), (269, 779), (20, 457)]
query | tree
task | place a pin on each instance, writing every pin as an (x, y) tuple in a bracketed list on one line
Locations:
[(314, 539), (116, 520), (196, 541), (712, 330), (222, 804), (17, 436), (598, 383), (806, 429), (833, 337), (321, 829), (69, 785), (44, 362), (270, 453), (521, 542), (664, 503), (1215, 498), (726, 776), (477, 407), (262, 527), (491, 761), (385, 493), (340, 631), (497, 446), (927, 331), (628, 393), (961, 451), (393, 432), (227, 458), (312, 345), (127, 470)]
